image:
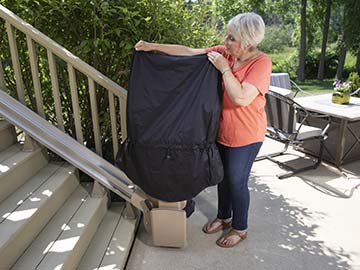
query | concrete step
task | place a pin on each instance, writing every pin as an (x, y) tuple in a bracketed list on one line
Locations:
[(7, 135), (110, 247), (64, 240), (22, 225), (17, 166)]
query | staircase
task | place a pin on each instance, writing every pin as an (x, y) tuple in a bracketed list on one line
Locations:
[(48, 220)]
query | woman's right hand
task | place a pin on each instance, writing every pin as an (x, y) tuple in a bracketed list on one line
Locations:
[(143, 46)]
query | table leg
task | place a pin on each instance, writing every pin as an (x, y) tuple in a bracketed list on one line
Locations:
[(341, 145)]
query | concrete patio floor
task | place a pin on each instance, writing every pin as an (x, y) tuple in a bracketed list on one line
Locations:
[(311, 221)]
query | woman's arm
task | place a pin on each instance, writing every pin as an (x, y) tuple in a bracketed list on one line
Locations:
[(171, 49), (241, 94)]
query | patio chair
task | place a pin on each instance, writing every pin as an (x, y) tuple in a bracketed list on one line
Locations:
[(283, 80), (282, 114)]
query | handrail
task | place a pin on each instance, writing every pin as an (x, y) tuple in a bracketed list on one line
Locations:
[(60, 51), (65, 146), (114, 91), (55, 138)]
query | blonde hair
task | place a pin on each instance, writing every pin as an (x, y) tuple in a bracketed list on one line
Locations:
[(247, 28)]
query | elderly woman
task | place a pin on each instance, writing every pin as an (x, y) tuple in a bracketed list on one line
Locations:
[(246, 77)]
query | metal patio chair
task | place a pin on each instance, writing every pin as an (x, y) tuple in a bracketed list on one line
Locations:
[(282, 115), (283, 80)]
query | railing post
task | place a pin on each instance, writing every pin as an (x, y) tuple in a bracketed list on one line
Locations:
[(55, 90), (123, 118), (95, 116), (2, 78), (15, 62), (114, 134), (30, 145), (75, 103), (98, 190), (35, 76), (130, 212)]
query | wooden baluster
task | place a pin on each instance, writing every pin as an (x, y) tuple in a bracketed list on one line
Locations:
[(35, 76), (123, 118), (2, 78), (15, 62), (115, 139), (55, 90), (75, 103), (95, 116)]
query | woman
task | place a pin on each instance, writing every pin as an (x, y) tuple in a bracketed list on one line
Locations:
[(246, 77)]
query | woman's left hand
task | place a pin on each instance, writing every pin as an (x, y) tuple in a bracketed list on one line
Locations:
[(219, 61)]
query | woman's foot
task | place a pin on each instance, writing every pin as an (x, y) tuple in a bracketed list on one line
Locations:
[(232, 238), (217, 225)]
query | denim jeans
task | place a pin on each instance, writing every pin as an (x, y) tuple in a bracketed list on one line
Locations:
[(233, 191)]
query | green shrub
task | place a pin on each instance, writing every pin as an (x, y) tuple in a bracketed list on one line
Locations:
[(288, 62), (312, 64), (102, 33), (349, 65), (355, 82), (277, 39)]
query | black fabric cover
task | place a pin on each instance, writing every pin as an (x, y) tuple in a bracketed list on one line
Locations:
[(173, 108)]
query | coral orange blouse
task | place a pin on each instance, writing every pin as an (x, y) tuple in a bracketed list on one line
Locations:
[(243, 125)]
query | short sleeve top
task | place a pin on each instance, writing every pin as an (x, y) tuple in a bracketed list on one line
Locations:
[(244, 125)]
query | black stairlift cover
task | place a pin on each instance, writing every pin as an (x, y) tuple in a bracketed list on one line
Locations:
[(173, 109)]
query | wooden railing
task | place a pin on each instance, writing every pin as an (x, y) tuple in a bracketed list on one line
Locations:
[(95, 78)]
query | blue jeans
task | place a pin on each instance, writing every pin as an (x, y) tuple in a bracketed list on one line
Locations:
[(233, 191)]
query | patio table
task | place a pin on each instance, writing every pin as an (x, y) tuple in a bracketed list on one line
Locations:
[(343, 143)]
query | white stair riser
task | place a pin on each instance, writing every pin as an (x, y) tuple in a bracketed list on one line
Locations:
[(18, 175), (7, 137), (25, 235)]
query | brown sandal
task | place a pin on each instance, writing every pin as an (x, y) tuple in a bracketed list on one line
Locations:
[(222, 226), (229, 234)]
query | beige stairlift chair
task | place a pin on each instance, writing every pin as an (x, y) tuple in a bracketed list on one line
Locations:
[(165, 221)]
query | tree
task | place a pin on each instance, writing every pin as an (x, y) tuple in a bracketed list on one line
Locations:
[(226, 9), (320, 75), (302, 51), (342, 57), (352, 28)]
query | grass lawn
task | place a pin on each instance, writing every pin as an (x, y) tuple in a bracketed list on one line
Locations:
[(315, 87)]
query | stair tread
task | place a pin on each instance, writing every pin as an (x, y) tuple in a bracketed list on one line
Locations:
[(120, 245), (20, 217), (112, 242), (9, 152), (35, 253), (98, 246), (13, 157), (18, 168), (10, 204), (62, 250)]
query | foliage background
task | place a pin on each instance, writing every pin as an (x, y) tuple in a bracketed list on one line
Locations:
[(101, 33)]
